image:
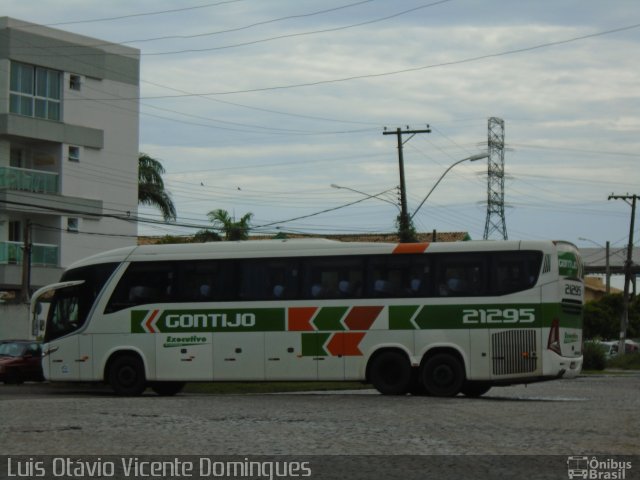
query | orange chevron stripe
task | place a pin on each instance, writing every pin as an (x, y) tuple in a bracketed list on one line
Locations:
[(411, 248), (345, 344), (149, 322), (300, 318), (361, 318)]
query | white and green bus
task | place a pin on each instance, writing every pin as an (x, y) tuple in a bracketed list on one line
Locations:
[(436, 319)]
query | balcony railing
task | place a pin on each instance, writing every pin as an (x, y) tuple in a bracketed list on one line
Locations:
[(42, 254), (13, 178)]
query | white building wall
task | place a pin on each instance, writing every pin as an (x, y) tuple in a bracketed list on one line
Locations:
[(108, 174), (105, 172)]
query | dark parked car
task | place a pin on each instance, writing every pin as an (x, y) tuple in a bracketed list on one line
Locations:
[(20, 361)]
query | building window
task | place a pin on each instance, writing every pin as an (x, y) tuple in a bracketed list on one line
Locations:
[(74, 82), (15, 231), (35, 91), (74, 153), (17, 158), (72, 224)]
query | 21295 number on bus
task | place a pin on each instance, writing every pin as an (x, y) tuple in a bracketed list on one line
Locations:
[(475, 316)]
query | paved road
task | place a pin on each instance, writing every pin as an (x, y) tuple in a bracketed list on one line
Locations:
[(591, 415)]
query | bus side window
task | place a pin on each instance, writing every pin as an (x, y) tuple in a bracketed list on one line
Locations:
[(332, 277), (143, 283), (271, 279), (515, 271), (462, 275), (206, 281), (399, 276)]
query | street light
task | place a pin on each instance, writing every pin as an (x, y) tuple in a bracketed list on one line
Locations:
[(591, 241), (377, 195), (472, 158)]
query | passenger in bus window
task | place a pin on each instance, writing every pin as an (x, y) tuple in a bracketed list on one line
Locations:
[(316, 290), (381, 287), (414, 286), (344, 288), (205, 291), (278, 291)]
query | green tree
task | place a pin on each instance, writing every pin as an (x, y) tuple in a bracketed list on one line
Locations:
[(600, 321), (602, 317), (233, 229), (151, 190), (203, 236)]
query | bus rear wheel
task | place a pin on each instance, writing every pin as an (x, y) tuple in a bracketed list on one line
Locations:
[(126, 375), (443, 375), (167, 389), (390, 373)]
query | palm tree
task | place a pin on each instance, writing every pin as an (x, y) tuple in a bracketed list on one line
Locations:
[(151, 189), (233, 230)]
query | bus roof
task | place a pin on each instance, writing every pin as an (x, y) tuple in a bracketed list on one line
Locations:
[(296, 247)]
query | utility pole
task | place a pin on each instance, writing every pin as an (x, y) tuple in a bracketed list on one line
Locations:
[(624, 321), (25, 293), (404, 221), (607, 269)]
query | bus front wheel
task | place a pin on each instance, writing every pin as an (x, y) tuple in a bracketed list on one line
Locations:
[(390, 373), (443, 375), (126, 375)]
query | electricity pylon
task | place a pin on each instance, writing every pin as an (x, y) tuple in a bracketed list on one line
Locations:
[(495, 222)]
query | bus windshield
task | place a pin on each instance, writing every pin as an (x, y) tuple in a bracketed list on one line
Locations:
[(72, 303)]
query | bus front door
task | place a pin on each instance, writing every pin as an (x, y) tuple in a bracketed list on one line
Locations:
[(71, 358)]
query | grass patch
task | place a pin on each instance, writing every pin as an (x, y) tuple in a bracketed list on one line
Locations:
[(628, 361), (271, 387)]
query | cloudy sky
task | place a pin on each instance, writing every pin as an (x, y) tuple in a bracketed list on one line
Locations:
[(261, 105)]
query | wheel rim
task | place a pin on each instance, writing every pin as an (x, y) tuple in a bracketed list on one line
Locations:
[(443, 375), (127, 376)]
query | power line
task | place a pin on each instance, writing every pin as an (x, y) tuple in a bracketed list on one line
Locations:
[(133, 15), (395, 72), (299, 34), (246, 27), (291, 35)]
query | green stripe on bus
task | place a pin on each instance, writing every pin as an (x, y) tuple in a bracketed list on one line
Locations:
[(400, 317), (218, 320), (568, 317), (328, 318), (313, 343), (442, 317), (425, 317)]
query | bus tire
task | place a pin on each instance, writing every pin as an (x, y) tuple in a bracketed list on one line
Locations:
[(443, 375), (390, 373), (126, 375), (167, 389), (475, 389)]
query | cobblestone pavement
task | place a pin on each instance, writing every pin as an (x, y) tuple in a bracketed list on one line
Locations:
[(590, 415)]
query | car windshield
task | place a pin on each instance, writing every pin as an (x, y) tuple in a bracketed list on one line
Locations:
[(12, 349)]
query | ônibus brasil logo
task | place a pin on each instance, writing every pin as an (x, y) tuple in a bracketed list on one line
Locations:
[(597, 468)]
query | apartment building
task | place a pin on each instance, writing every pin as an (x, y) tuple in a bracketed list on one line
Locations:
[(69, 128)]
